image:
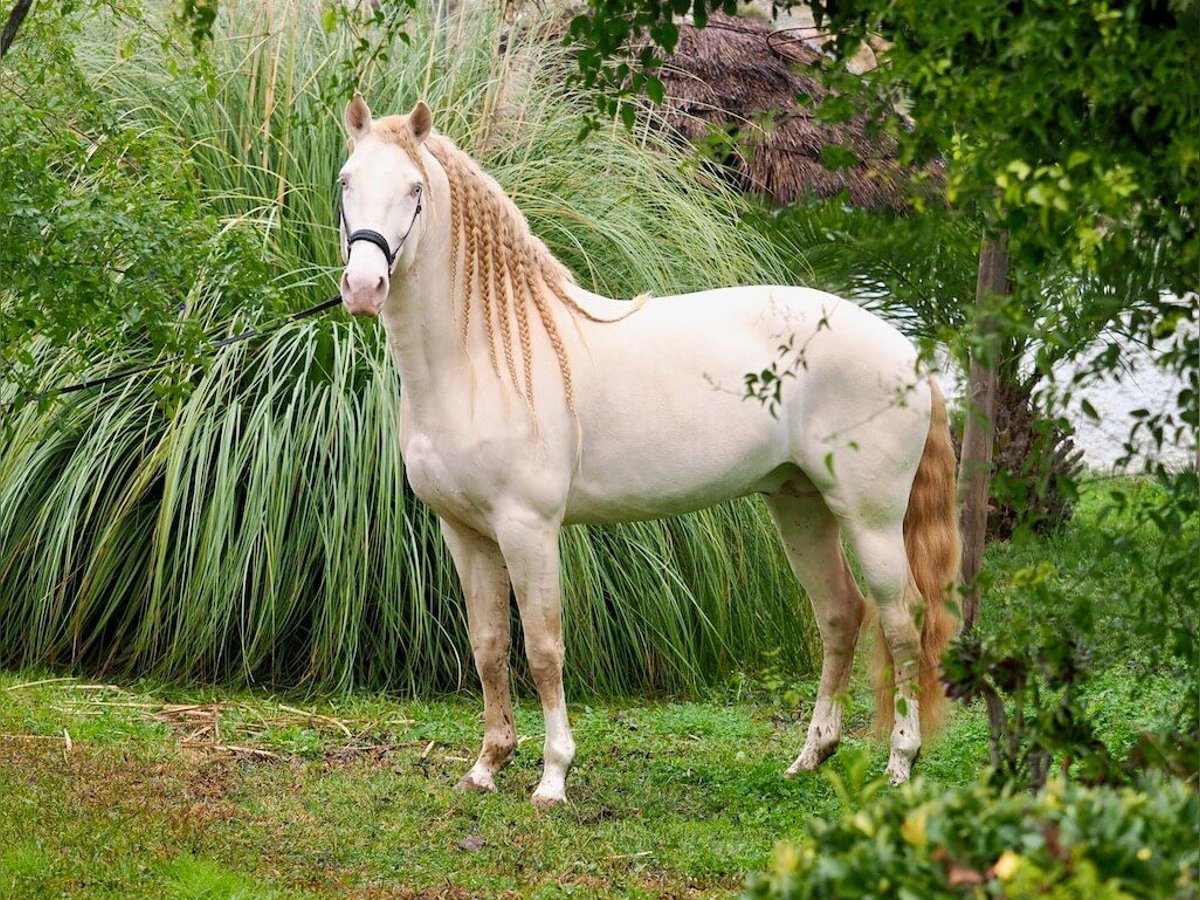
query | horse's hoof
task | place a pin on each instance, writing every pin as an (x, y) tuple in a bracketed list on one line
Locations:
[(547, 802), (473, 782), (898, 771), (809, 759)]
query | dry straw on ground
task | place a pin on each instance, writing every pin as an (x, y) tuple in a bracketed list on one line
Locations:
[(231, 729)]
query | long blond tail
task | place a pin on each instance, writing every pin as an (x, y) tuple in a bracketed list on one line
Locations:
[(934, 547)]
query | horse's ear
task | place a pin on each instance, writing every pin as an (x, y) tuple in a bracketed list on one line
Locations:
[(420, 121), (358, 117)]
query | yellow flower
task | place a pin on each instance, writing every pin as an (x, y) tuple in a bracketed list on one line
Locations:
[(1006, 865), (787, 857), (1144, 854)]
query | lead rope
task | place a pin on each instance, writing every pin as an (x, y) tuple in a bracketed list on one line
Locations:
[(158, 364)]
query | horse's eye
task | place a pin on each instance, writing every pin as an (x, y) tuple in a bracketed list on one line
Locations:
[(415, 190)]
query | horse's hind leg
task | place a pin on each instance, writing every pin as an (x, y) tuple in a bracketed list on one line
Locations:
[(880, 551), (810, 538)]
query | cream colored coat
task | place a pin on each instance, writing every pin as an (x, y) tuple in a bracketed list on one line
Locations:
[(661, 425)]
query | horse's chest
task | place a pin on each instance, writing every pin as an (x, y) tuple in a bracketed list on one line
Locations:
[(441, 474), (435, 475)]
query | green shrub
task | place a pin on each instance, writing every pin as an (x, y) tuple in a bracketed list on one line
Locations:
[(1068, 841), (109, 249)]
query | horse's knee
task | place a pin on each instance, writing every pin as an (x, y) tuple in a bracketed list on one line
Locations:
[(491, 654), (844, 622), (545, 659)]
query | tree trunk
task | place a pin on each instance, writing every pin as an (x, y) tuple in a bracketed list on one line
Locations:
[(15, 18), (975, 472)]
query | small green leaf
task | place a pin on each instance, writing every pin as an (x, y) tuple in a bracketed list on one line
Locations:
[(1020, 168), (835, 156), (654, 89), (1077, 158)]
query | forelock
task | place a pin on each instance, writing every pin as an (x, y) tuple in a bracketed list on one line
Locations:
[(395, 130)]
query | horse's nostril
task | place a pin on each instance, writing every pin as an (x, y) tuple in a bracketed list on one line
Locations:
[(382, 284), (345, 283)]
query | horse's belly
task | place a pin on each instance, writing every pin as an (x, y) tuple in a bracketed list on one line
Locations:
[(598, 506), (675, 467)]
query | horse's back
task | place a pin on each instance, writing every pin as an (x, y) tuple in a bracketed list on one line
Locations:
[(701, 397), (790, 318)]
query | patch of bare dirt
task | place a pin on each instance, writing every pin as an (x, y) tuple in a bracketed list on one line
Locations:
[(178, 793)]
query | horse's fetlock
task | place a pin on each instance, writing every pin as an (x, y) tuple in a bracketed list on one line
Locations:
[(906, 740), (560, 753), (498, 749)]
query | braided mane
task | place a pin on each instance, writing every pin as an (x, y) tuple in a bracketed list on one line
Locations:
[(500, 271)]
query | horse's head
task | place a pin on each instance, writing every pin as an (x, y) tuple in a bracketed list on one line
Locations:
[(383, 186)]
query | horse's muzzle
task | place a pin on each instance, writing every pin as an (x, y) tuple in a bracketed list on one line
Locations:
[(363, 295)]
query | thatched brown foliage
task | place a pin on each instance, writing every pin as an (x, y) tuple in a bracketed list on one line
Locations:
[(740, 77)]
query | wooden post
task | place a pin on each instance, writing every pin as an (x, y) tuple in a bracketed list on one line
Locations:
[(975, 472)]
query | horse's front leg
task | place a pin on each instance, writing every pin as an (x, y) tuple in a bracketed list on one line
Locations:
[(485, 587), (530, 546)]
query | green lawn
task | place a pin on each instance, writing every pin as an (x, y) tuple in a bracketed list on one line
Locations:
[(667, 798), (149, 789)]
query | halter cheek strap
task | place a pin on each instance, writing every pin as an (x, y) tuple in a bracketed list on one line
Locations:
[(374, 237)]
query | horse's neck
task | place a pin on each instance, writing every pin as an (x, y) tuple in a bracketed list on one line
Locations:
[(419, 316)]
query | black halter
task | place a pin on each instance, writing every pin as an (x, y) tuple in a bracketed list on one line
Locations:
[(374, 237)]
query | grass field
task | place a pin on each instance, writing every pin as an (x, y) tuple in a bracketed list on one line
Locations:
[(151, 797), (151, 789)]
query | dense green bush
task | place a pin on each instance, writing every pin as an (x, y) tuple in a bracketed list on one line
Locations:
[(1068, 841), (1084, 664), (109, 249)]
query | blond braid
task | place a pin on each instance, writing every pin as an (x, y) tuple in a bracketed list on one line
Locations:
[(560, 349), (475, 200), (502, 297), (456, 243), (504, 267), (511, 253), (557, 277)]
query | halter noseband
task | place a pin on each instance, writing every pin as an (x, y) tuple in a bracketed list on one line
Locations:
[(374, 237)]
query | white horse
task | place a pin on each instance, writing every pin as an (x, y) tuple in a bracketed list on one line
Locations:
[(528, 403)]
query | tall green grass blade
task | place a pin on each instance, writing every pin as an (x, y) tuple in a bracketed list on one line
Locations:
[(263, 531)]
